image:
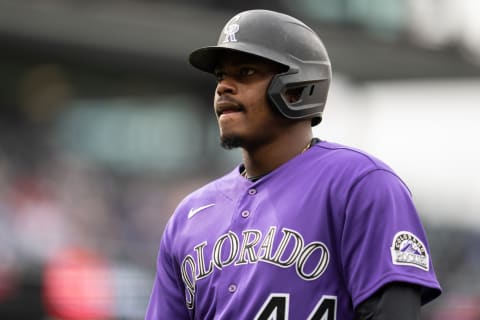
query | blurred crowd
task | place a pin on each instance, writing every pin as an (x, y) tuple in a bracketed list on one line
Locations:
[(72, 231)]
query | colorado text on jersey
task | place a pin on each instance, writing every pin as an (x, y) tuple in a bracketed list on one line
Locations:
[(255, 247)]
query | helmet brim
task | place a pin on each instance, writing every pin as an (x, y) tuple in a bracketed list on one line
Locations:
[(207, 58)]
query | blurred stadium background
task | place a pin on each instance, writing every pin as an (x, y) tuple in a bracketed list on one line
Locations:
[(104, 127)]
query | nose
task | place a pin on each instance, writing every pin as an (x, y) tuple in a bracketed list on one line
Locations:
[(226, 85)]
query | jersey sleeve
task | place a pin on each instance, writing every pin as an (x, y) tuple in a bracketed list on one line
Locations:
[(167, 299), (383, 240)]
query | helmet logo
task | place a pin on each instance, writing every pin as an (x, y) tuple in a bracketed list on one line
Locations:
[(231, 29)]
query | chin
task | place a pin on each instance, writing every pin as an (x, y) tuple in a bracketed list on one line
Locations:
[(231, 142)]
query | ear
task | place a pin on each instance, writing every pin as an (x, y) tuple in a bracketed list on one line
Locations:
[(293, 95)]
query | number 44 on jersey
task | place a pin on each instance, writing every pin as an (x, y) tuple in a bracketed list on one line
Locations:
[(276, 307)]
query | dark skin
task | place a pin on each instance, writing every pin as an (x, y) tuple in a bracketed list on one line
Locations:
[(245, 116)]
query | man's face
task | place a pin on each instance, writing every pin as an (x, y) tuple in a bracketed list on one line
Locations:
[(244, 115)]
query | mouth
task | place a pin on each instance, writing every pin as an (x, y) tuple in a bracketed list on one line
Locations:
[(226, 106)]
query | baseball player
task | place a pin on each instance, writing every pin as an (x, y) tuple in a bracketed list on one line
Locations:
[(302, 228)]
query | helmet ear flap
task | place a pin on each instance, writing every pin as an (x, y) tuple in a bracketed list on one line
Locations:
[(297, 97)]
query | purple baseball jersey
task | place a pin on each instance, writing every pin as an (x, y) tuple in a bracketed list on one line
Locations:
[(310, 240)]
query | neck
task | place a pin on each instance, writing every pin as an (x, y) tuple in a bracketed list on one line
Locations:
[(266, 157)]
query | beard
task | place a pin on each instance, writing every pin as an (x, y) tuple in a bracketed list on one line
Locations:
[(231, 142)]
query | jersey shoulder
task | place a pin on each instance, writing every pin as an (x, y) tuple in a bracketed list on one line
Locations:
[(351, 164), (346, 155)]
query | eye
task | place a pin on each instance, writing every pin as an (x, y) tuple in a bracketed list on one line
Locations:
[(246, 71), (219, 74)]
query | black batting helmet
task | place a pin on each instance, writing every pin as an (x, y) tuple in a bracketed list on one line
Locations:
[(287, 41)]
